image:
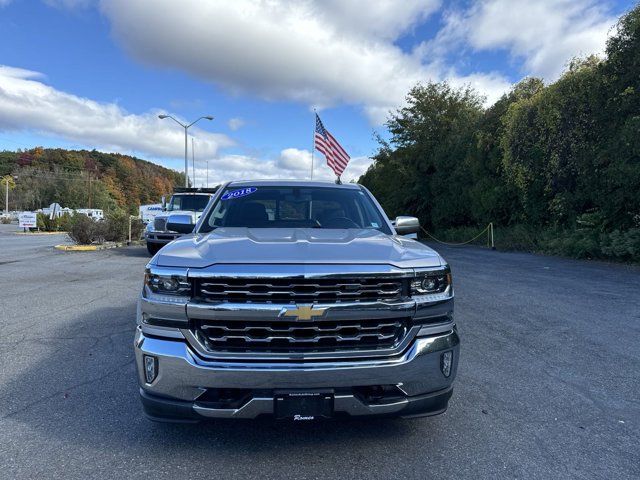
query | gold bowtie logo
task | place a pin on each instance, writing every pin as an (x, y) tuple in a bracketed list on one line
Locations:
[(305, 312)]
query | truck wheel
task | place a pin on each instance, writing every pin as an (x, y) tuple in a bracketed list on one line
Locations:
[(153, 248)]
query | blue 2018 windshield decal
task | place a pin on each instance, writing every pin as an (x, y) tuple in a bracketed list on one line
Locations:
[(243, 192)]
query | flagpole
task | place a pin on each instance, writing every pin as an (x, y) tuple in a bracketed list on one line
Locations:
[(313, 144)]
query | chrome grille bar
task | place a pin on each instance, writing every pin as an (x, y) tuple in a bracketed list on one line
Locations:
[(300, 336), (254, 290)]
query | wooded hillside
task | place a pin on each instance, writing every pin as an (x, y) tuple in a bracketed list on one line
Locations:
[(556, 167), (81, 179)]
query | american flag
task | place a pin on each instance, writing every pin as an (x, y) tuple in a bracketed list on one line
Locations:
[(324, 142)]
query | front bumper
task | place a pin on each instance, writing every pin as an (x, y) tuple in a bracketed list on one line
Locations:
[(184, 378), (160, 238)]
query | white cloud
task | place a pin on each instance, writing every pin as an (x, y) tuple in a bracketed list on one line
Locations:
[(386, 19), (4, 3), (26, 103), (235, 123), (544, 34), (295, 159), (292, 163), (309, 51)]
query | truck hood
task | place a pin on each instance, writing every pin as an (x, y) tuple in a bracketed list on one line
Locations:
[(295, 246), (194, 215)]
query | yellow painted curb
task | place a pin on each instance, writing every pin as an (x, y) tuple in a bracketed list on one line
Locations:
[(93, 248), (77, 248)]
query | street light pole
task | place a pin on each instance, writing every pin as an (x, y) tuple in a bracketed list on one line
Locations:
[(186, 163), (186, 130)]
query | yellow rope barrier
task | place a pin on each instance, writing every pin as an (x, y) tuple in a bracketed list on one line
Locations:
[(488, 229)]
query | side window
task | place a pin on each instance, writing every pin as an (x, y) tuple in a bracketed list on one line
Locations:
[(217, 216)]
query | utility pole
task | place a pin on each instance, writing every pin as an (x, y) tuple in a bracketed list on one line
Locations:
[(89, 175), (313, 144), (193, 161), (207, 173), (186, 129), (9, 182)]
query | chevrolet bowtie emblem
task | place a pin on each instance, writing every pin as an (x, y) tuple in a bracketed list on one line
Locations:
[(305, 312)]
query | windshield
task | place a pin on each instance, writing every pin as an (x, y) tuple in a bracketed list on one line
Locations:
[(193, 203), (295, 207)]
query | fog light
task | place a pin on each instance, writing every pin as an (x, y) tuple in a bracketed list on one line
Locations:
[(445, 363), (150, 368)]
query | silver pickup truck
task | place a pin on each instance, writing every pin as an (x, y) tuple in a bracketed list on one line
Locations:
[(298, 300)]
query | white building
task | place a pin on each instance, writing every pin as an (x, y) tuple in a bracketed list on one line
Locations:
[(56, 210), (95, 213)]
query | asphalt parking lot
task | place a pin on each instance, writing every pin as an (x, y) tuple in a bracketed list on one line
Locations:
[(548, 384)]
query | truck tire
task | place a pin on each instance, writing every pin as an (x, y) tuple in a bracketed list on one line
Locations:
[(153, 248)]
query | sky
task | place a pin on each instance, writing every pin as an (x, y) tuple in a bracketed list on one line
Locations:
[(96, 74)]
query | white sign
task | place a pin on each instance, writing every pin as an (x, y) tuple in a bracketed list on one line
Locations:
[(27, 220)]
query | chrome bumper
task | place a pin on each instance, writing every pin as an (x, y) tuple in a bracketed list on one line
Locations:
[(160, 237), (183, 376)]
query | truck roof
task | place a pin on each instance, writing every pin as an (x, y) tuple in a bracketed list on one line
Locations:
[(291, 183), (196, 190)]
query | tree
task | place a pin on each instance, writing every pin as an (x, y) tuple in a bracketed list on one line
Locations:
[(559, 161), (431, 138)]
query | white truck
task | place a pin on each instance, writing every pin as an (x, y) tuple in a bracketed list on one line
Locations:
[(185, 201)]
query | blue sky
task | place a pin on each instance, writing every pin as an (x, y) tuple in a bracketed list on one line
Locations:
[(90, 74)]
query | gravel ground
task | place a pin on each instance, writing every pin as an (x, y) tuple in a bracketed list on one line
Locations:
[(547, 386)]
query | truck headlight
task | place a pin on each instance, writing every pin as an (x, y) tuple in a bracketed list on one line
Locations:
[(167, 281), (432, 285)]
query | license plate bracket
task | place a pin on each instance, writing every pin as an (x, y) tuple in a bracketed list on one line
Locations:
[(303, 404)]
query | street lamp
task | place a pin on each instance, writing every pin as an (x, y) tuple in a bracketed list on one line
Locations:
[(186, 128)]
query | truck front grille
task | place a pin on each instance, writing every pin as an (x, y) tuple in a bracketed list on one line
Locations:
[(300, 336), (160, 224), (291, 290)]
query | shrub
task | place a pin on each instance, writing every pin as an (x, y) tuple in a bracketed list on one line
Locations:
[(623, 245), (116, 226), (58, 224), (586, 241), (85, 231), (64, 222), (137, 227), (46, 224), (5, 220)]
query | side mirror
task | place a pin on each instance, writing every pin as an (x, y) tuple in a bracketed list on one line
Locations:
[(163, 200), (180, 223), (406, 225)]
